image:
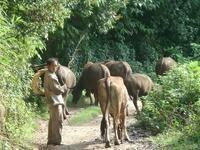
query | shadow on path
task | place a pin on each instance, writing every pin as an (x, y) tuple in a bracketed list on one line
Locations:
[(78, 146)]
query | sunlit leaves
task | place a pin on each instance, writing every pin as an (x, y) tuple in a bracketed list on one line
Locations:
[(23, 26), (174, 100)]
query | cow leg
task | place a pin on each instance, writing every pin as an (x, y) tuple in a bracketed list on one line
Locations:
[(135, 98), (88, 94), (103, 128), (95, 99), (65, 111), (107, 138), (91, 97), (124, 130), (142, 101), (115, 125), (109, 119), (119, 131), (127, 114)]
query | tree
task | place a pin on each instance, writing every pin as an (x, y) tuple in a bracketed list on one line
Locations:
[(24, 26), (136, 31)]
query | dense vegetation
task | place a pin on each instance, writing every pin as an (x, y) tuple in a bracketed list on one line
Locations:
[(23, 26), (173, 107), (174, 100), (137, 31)]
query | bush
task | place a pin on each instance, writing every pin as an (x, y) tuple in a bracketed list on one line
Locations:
[(23, 27), (19, 120), (186, 138), (174, 99)]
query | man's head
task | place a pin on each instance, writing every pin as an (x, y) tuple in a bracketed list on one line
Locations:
[(52, 64)]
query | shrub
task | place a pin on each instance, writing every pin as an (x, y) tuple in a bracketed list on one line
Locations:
[(23, 27), (174, 99)]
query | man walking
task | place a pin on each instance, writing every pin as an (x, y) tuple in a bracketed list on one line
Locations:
[(55, 101)]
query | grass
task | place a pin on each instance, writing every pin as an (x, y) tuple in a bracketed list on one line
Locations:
[(87, 112), (85, 115), (84, 101), (175, 140)]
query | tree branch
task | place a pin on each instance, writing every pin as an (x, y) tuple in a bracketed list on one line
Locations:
[(76, 51)]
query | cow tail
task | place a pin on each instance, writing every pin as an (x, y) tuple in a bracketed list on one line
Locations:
[(108, 91), (103, 122), (105, 71)]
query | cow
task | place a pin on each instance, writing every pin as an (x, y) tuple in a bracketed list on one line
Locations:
[(92, 72), (113, 99), (138, 85), (118, 68), (164, 64)]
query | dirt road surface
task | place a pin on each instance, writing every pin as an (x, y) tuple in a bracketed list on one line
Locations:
[(87, 136)]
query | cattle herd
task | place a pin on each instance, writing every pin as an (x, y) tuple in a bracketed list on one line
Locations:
[(112, 83)]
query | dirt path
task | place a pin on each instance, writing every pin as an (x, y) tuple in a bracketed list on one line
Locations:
[(87, 136)]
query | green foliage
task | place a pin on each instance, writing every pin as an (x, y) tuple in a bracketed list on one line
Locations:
[(196, 50), (15, 79), (138, 32), (174, 99), (19, 120), (175, 140), (23, 24), (37, 17), (73, 41), (186, 138), (174, 108), (83, 102), (4, 145)]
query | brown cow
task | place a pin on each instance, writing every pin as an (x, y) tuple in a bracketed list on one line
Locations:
[(164, 64), (66, 76), (113, 98), (138, 85)]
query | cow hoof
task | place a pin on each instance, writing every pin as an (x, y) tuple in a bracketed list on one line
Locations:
[(107, 145), (117, 143)]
